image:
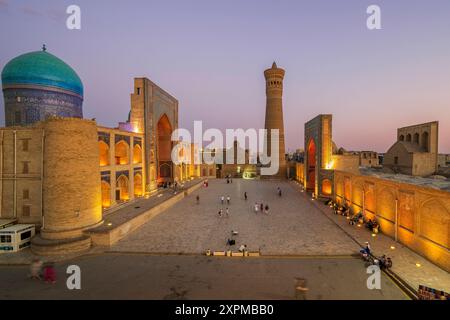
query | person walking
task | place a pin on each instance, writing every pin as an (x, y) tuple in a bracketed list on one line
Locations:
[(228, 199), (222, 199), (262, 207), (220, 213), (245, 196), (50, 273), (266, 209), (227, 211), (300, 289), (35, 269), (198, 199), (256, 207)]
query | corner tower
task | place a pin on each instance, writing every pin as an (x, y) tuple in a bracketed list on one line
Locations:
[(274, 113)]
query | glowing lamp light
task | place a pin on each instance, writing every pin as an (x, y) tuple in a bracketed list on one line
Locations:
[(392, 248), (109, 224), (329, 165), (374, 235), (418, 265), (359, 225)]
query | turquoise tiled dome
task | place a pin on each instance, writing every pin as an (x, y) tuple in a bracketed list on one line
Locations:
[(43, 69)]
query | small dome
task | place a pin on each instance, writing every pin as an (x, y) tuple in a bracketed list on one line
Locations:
[(42, 69)]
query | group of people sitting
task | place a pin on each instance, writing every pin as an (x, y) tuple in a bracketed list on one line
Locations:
[(232, 242), (356, 219), (373, 226), (340, 210), (383, 262)]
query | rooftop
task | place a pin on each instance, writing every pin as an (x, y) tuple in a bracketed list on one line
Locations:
[(434, 182), (41, 68)]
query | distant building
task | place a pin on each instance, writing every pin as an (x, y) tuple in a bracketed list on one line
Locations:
[(415, 152), (232, 167), (368, 159), (443, 160)]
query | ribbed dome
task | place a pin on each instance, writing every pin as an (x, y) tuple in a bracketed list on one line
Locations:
[(43, 69)]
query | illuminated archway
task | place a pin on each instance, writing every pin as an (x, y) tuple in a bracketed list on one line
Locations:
[(106, 194), (347, 191), (435, 222), (164, 149), (104, 153), (326, 187), (122, 152), (386, 204), (122, 193), (138, 185), (311, 170), (137, 154)]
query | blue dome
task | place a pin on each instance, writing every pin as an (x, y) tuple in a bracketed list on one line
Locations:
[(42, 69)]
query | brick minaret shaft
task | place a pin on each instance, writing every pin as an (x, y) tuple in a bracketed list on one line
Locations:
[(274, 112)]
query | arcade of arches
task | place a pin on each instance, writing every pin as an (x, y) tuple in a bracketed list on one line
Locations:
[(122, 152), (103, 153), (122, 189), (121, 166), (419, 216)]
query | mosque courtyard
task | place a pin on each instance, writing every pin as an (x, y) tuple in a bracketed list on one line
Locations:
[(164, 258), (293, 226)]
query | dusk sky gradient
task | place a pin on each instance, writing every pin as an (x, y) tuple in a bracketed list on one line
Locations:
[(211, 55)]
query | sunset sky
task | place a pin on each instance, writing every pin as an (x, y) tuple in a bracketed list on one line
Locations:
[(211, 54)]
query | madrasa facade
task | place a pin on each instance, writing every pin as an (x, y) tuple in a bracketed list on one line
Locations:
[(62, 172)]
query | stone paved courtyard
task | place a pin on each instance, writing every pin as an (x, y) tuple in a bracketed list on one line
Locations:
[(293, 226)]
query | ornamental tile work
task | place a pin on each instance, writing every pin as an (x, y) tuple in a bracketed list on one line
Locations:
[(27, 106), (122, 137), (106, 176), (126, 173), (104, 136)]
